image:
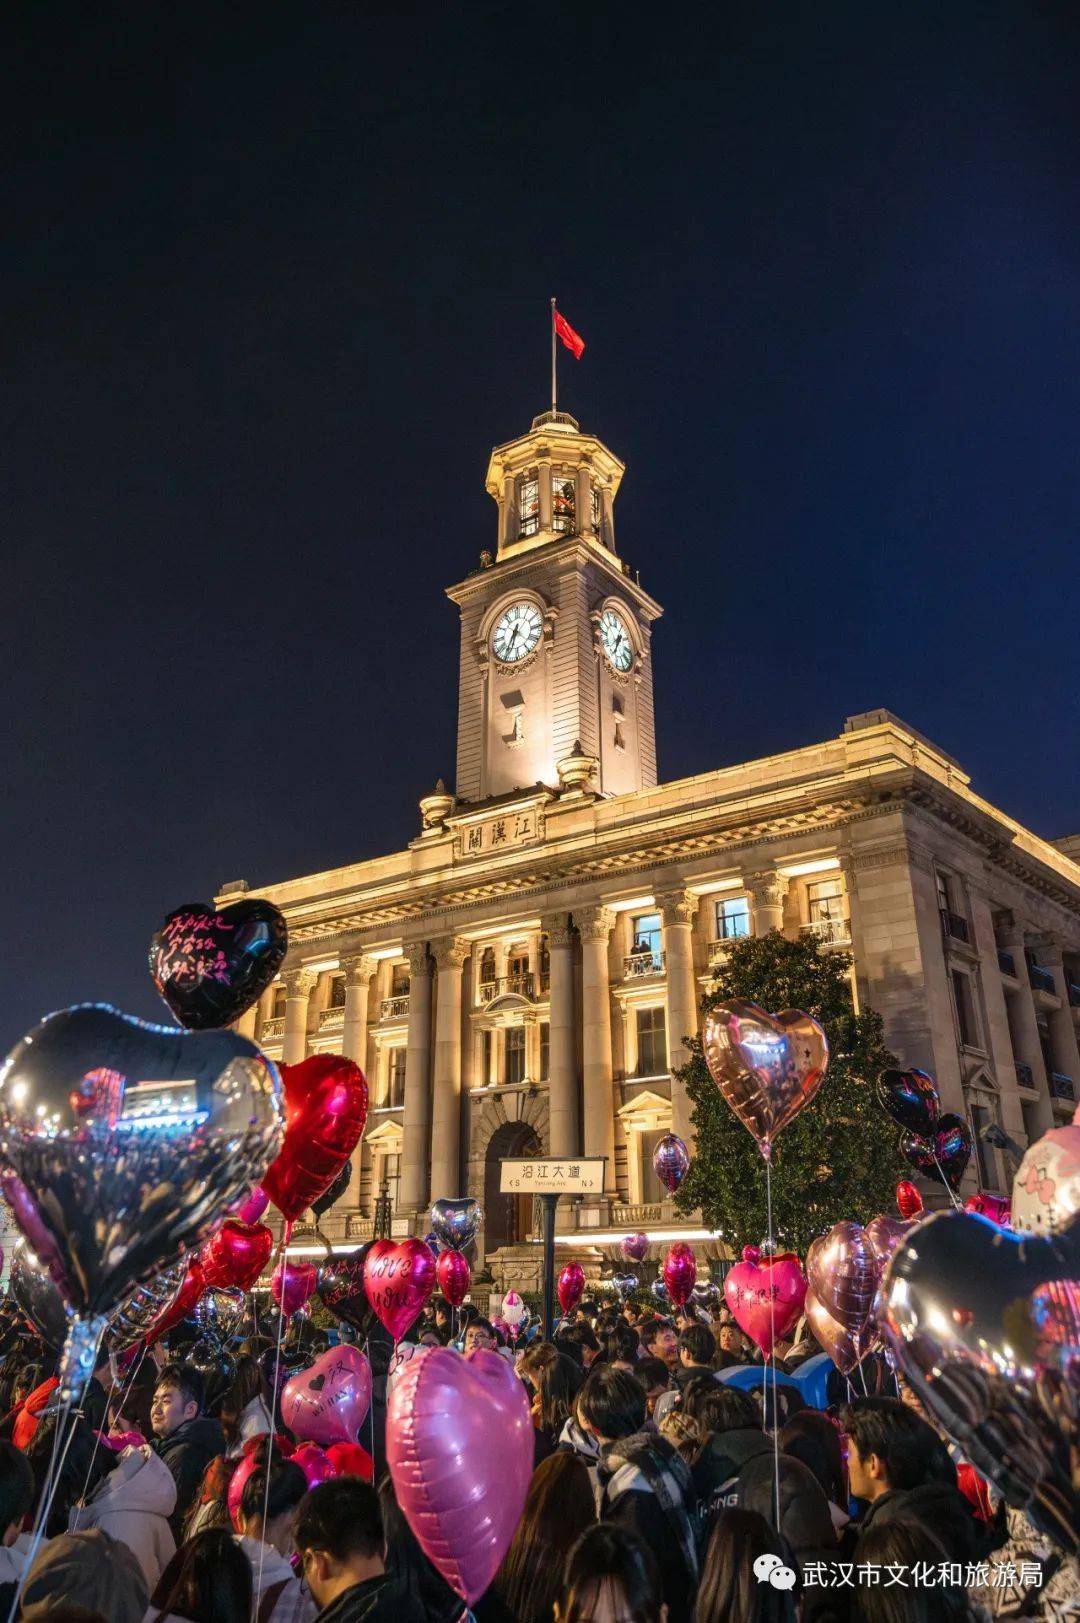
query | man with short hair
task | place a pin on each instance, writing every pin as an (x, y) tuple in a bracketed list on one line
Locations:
[(644, 1482), (342, 1548), (660, 1341), (185, 1438), (734, 1436), (480, 1336), (697, 1349), (579, 1342)]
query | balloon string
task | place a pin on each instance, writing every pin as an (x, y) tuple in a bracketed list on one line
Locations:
[(948, 1187), (772, 1344), (97, 1435), (51, 1483), (282, 1261)]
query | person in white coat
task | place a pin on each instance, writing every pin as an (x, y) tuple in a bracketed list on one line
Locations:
[(133, 1504), (245, 1408), (266, 1520), (16, 1499)]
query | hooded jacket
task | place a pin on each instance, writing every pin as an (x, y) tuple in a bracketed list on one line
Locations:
[(292, 1604), (573, 1439), (133, 1504), (720, 1462), (187, 1452), (33, 1407)]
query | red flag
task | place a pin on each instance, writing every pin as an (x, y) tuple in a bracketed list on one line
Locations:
[(573, 341)]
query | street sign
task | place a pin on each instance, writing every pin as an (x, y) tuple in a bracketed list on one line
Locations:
[(538, 1175)]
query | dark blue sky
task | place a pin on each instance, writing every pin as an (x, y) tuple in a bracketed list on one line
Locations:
[(275, 280)]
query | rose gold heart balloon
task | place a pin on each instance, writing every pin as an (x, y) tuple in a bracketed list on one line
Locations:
[(767, 1066), (841, 1346), (885, 1234), (843, 1273)]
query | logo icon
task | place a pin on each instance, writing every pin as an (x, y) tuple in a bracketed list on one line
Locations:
[(769, 1569)]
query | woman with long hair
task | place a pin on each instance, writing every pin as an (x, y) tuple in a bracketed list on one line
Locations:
[(266, 1519), (811, 1437), (729, 1590), (245, 1407), (560, 1382), (558, 1508), (611, 1574), (406, 1561), (208, 1580)]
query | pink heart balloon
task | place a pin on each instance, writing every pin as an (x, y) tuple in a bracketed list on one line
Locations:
[(291, 1283), (766, 1066), (634, 1247), (843, 1274), (253, 1206), (679, 1272), (327, 1403), (398, 1278), (459, 1443), (885, 1234), (766, 1295)]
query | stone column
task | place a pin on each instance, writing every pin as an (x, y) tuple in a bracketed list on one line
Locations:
[(546, 504), (245, 1026), (562, 1065), (998, 1036), (358, 973), (595, 926), (1025, 1029), (450, 955), (859, 989), (679, 911), (508, 512), (1063, 1045), (582, 503), (416, 1149), (299, 985), (766, 890), (607, 518)]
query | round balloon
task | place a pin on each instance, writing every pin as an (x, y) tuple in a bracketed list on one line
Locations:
[(124, 1145), (210, 965), (680, 1272), (908, 1200), (326, 1101), (766, 1066)]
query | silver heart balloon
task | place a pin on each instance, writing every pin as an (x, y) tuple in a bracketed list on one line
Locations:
[(134, 1316), (456, 1222), (123, 1144)]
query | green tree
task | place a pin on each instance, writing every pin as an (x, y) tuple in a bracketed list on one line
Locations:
[(838, 1158)]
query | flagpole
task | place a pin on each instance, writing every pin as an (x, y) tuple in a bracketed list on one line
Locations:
[(553, 357)]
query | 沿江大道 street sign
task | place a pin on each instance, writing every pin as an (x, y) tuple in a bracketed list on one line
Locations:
[(536, 1175)]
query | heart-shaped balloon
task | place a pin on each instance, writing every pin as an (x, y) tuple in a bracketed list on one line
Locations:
[(459, 1444), (838, 1341), (326, 1101), (133, 1318), (37, 1296), (984, 1323), (911, 1098), (341, 1289), (454, 1276), (291, 1284), (680, 1272), (634, 1247), (671, 1161), (315, 1463), (1046, 1189), (237, 1254), (398, 1277), (766, 1066), (997, 1208), (908, 1200), (570, 1286), (211, 965), (350, 1459), (765, 1295), (843, 1274), (884, 1234), (125, 1144), (624, 1284), (659, 1290), (328, 1402), (456, 1222), (943, 1153)]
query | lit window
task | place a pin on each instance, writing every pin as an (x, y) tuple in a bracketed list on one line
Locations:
[(562, 500), (651, 1043), (515, 1055), (529, 503), (825, 899), (732, 918), (646, 935)]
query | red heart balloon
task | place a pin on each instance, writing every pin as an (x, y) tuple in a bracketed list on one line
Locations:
[(679, 1272), (908, 1200), (454, 1275), (237, 1255), (291, 1283), (398, 1279), (570, 1286), (326, 1101), (191, 1289)]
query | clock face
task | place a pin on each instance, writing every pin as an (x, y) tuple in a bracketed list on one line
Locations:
[(517, 633), (615, 640)]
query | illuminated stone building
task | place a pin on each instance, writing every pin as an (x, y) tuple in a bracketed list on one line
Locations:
[(519, 978)]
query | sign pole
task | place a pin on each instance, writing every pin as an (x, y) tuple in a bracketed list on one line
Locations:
[(548, 1204)]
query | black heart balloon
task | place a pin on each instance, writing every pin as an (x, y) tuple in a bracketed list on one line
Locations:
[(984, 1323), (123, 1145), (335, 1191), (942, 1153), (340, 1288), (911, 1098), (211, 965), (137, 1313), (37, 1296), (455, 1222)]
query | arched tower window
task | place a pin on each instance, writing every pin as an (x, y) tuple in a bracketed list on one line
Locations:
[(529, 502), (562, 500)]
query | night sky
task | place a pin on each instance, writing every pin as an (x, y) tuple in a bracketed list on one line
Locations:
[(275, 281)]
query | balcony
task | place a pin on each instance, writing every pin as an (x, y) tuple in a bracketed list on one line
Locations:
[(509, 986), (1025, 1076), (643, 964), (394, 1008), (272, 1029), (1006, 962), (1061, 1087), (829, 932), (1041, 980), (954, 926), (632, 1217), (332, 1019)]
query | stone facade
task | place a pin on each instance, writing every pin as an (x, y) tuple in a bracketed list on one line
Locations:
[(521, 977)]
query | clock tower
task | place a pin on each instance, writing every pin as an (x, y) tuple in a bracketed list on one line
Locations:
[(555, 630)]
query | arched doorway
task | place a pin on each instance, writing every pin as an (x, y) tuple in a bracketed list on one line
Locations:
[(507, 1218)]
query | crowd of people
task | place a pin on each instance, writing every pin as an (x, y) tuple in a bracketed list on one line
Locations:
[(660, 1491)]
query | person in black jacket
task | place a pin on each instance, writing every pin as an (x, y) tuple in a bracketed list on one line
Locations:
[(697, 1349), (185, 1438), (340, 1539), (644, 1483), (732, 1426)]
